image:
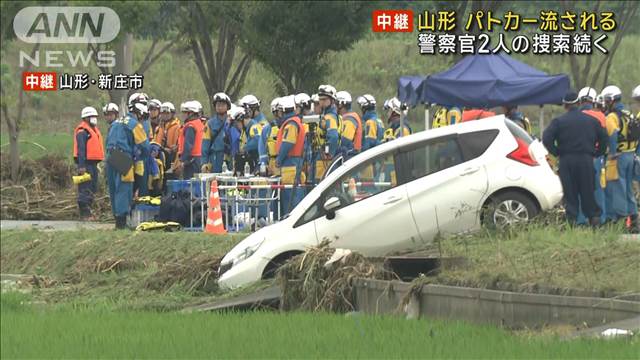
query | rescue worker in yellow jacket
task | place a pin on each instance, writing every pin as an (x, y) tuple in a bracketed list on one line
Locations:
[(446, 115), (623, 144), (267, 143), (396, 128), (88, 151), (327, 140)]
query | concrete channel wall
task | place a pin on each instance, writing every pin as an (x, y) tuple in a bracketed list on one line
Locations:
[(510, 309)]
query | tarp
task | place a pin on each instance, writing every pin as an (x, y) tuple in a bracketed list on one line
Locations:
[(485, 81)]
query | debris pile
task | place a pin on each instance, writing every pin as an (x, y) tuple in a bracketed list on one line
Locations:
[(321, 279)]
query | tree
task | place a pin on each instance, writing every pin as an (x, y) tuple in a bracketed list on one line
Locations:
[(138, 20), (292, 38), (220, 21), (12, 117), (588, 75)]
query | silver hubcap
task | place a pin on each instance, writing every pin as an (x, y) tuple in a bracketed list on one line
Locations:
[(510, 212)]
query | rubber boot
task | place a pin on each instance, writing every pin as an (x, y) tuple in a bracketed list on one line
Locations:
[(594, 222), (121, 222)]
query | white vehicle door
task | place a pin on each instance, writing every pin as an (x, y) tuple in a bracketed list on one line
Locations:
[(373, 216), (447, 182)]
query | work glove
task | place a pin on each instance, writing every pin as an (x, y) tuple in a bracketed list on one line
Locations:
[(81, 171)]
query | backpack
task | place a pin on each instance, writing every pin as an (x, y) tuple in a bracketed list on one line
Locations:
[(176, 207)]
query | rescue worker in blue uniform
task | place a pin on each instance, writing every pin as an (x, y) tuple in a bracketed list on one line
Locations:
[(290, 148), (190, 139), (511, 112), (397, 128), (141, 174), (254, 122), (88, 151), (619, 192), (237, 140), (328, 133), (373, 126), (574, 138), (267, 141), (128, 138), (351, 132), (587, 97), (213, 144)]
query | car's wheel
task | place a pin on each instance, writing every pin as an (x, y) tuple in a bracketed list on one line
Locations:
[(508, 209), (275, 264)]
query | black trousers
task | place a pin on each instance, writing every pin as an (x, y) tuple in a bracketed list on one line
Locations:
[(576, 175)]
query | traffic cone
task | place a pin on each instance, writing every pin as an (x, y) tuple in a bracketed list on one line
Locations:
[(214, 213)]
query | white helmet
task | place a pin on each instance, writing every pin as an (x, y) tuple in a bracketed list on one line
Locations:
[(110, 107), (327, 90), (366, 102), (287, 103), (587, 94), (315, 98), (394, 105), (140, 109), (167, 107), (236, 113), (274, 104), (138, 98), (154, 104), (88, 112), (191, 106), (611, 93), (249, 101), (600, 101), (343, 98), (302, 100), (217, 97), (635, 94)]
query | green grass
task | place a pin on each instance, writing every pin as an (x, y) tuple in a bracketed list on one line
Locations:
[(66, 332), (131, 270), (31, 144), (548, 256)]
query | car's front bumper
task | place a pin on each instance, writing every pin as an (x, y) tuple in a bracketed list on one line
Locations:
[(244, 273)]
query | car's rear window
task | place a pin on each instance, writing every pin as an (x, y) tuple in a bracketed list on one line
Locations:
[(475, 143), (518, 132)]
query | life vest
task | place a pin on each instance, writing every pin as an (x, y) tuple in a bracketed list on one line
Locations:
[(357, 141), (196, 124), (298, 148), (476, 114), (598, 116), (272, 139), (95, 148), (627, 135)]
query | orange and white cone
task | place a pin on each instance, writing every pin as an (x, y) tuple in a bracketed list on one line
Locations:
[(214, 213)]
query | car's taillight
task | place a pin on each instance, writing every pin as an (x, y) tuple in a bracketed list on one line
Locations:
[(521, 154)]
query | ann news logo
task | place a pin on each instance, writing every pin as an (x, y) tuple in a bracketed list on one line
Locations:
[(392, 21)]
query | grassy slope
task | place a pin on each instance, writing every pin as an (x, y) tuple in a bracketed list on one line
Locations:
[(546, 256), (133, 270), (100, 332)]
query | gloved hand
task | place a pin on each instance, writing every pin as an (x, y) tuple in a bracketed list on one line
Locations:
[(263, 169), (81, 171)]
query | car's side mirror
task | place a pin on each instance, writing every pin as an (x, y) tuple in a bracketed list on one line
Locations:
[(330, 207)]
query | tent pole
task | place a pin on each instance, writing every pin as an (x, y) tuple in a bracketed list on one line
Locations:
[(426, 116), (541, 120)]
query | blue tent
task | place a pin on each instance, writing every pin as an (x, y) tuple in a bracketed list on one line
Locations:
[(485, 81)]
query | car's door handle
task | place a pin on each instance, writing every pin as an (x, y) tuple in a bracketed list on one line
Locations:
[(469, 170), (392, 199)]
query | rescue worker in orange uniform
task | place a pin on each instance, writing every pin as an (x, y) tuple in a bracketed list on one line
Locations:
[(290, 149), (88, 151), (351, 132), (190, 139)]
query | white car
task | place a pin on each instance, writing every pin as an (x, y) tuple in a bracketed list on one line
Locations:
[(400, 194)]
